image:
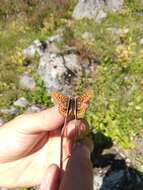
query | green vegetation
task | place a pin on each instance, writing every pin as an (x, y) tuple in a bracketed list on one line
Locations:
[(116, 108), (39, 95)]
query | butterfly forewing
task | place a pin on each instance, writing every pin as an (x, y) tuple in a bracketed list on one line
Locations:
[(82, 103), (62, 102)]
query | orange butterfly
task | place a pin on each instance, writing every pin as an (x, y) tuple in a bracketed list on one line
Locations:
[(72, 105)]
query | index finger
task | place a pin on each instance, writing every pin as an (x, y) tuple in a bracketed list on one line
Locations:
[(45, 120)]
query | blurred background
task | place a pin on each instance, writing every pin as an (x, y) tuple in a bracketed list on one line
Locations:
[(70, 46)]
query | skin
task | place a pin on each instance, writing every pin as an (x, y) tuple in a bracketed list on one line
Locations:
[(30, 151)]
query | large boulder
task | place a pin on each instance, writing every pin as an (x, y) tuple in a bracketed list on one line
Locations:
[(60, 70), (96, 9)]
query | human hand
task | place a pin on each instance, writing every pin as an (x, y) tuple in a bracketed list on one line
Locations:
[(79, 172), (29, 144)]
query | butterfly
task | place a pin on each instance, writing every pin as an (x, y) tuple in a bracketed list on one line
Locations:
[(75, 106)]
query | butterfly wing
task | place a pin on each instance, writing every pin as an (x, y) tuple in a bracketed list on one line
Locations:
[(61, 101), (82, 103)]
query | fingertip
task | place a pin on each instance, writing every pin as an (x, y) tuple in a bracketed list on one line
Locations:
[(50, 118), (51, 179), (73, 127)]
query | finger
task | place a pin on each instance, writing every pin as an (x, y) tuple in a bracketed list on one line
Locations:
[(85, 144), (78, 167), (69, 137), (51, 179), (72, 126), (46, 120)]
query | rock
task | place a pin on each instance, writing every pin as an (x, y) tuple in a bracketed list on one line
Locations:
[(50, 69), (88, 36), (97, 182), (33, 49), (95, 8), (100, 15), (41, 46), (27, 82), (73, 63), (141, 41), (60, 72), (11, 111), (114, 5), (55, 38), (1, 121), (21, 102), (87, 9), (33, 109)]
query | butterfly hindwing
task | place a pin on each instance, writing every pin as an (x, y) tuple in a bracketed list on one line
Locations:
[(62, 102)]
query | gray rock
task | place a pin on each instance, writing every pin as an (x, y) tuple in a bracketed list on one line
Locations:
[(87, 9), (114, 5), (88, 36), (40, 47), (27, 82), (60, 72), (33, 109), (55, 38), (94, 8), (11, 111), (51, 69), (59, 69), (73, 62), (101, 15), (21, 102), (33, 49), (97, 182)]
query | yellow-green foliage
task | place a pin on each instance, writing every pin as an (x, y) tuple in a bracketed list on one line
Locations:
[(116, 108)]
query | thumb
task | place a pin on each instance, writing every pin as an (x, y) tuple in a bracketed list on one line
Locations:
[(51, 178), (46, 120)]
